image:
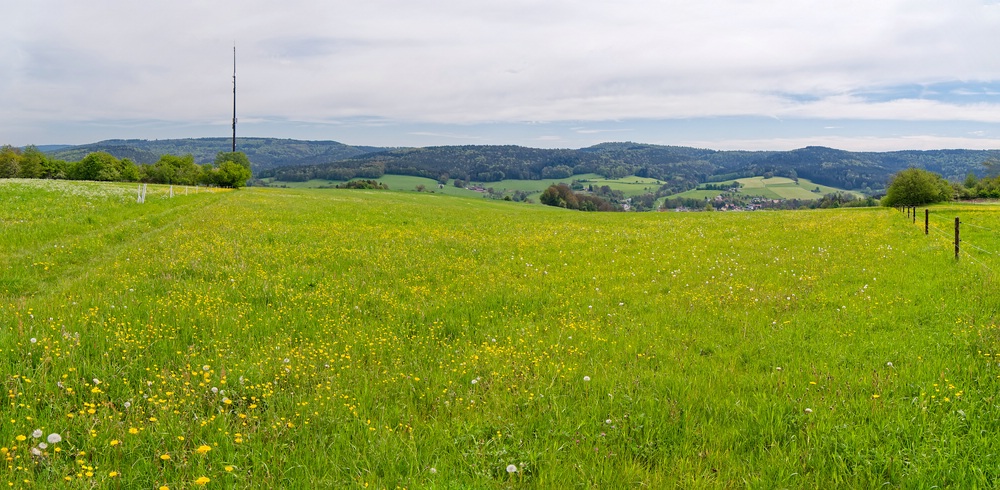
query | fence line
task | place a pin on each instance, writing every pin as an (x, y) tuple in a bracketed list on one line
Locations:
[(977, 226), (935, 229), (974, 259), (961, 245)]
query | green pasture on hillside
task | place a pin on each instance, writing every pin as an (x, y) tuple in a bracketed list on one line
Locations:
[(630, 186), (299, 338), (772, 188)]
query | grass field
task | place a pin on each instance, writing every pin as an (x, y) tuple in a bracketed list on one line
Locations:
[(292, 338), (773, 188), (630, 186)]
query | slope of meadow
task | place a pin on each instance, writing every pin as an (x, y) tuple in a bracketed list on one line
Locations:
[(317, 339)]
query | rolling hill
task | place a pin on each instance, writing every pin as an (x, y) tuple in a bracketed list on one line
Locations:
[(680, 168)]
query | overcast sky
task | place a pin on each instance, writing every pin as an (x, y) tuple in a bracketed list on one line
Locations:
[(723, 74)]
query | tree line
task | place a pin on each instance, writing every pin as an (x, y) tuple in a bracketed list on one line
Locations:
[(917, 187), (230, 169)]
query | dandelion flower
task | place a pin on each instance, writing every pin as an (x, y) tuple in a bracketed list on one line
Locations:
[(114, 442), (54, 438), (202, 481), (113, 474), (229, 468), (20, 438), (202, 449), (511, 468), (165, 457)]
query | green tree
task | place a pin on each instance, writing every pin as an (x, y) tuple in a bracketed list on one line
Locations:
[(172, 169), (916, 187), (99, 165), (10, 162), (560, 195), (128, 170), (32, 162), (55, 169), (233, 169), (970, 181)]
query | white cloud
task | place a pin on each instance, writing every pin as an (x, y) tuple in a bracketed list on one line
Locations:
[(869, 143), (460, 62)]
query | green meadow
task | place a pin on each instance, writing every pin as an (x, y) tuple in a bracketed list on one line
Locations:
[(630, 186), (301, 338), (770, 188)]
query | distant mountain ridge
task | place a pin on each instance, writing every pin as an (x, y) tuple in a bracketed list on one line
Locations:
[(264, 153), (679, 167)]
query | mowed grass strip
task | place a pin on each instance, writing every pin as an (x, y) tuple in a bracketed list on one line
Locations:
[(328, 338)]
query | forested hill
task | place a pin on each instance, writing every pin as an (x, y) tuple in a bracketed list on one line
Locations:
[(264, 153), (679, 167)]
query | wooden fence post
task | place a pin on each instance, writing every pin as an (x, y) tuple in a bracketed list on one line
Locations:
[(914, 215), (927, 221), (957, 238)]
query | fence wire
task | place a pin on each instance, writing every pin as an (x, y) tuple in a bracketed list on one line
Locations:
[(947, 234), (977, 226)]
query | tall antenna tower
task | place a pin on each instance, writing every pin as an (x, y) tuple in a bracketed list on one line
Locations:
[(234, 98)]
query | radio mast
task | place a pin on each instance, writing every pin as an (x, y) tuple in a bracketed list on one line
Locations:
[(234, 98)]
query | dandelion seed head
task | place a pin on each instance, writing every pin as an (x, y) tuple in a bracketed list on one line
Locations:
[(511, 468), (37, 433), (586, 378), (54, 438), (33, 340)]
